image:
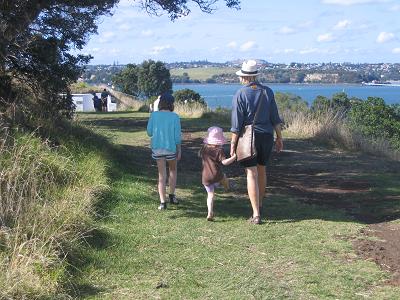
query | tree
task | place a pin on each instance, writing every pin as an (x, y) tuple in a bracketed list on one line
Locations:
[(127, 80), (179, 8), (36, 39), (300, 76), (188, 96), (153, 79), (150, 78)]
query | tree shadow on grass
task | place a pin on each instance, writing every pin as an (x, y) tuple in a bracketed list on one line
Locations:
[(129, 124), (304, 182), (80, 258), (308, 173), (318, 180)]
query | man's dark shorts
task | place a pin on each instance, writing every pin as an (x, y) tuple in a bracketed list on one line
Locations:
[(264, 143)]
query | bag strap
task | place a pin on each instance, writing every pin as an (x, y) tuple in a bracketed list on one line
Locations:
[(259, 104)]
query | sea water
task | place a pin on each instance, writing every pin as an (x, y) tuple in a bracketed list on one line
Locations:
[(220, 95)]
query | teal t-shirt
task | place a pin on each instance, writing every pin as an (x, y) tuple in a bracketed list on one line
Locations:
[(164, 128)]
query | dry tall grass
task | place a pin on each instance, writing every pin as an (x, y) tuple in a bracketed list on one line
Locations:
[(125, 101), (46, 202), (331, 127), (190, 110)]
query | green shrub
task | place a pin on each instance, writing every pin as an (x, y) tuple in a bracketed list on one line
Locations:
[(188, 96), (375, 119), (290, 102)]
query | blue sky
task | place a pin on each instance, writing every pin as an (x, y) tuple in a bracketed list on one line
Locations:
[(277, 31)]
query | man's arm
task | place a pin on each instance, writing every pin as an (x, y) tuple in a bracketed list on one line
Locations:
[(278, 141), (229, 160), (234, 140)]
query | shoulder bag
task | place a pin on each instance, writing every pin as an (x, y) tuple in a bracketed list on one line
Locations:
[(245, 146)]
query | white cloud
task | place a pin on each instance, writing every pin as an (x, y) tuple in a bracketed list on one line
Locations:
[(309, 51), (114, 51), (306, 24), (106, 37), (296, 28), (159, 49), (353, 2), (108, 34), (284, 51), (343, 24), (147, 33), (324, 50), (395, 7), (232, 45), (327, 37), (287, 30), (396, 51), (125, 3), (215, 49), (248, 46), (384, 37), (287, 51), (125, 26)]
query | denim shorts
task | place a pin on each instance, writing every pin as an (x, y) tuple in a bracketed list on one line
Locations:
[(161, 154), (264, 143)]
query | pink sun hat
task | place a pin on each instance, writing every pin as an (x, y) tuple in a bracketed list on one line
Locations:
[(215, 136)]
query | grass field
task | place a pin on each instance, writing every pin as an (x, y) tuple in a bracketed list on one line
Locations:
[(303, 250), (202, 73)]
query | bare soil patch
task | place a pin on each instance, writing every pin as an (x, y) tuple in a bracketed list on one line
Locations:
[(380, 243)]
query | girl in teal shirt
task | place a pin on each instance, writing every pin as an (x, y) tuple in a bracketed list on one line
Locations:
[(164, 128)]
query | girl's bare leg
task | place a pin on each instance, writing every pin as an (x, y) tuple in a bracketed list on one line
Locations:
[(172, 166), (210, 206), (162, 176)]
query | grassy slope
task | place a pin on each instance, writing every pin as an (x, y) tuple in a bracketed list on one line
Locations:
[(141, 253), (202, 73), (47, 195)]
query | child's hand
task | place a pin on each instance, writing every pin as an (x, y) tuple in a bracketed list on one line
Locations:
[(229, 160)]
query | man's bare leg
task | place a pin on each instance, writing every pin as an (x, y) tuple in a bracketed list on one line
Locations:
[(252, 189), (262, 183)]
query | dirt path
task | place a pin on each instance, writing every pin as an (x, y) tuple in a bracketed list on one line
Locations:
[(345, 181), (366, 188), (349, 182)]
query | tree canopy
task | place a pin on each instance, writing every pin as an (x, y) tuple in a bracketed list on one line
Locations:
[(179, 8), (126, 80), (154, 78), (151, 78), (38, 36), (188, 96)]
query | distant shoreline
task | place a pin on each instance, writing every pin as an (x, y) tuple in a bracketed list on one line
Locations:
[(293, 83), (278, 83), (220, 94)]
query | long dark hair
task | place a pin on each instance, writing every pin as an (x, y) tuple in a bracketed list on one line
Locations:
[(166, 102)]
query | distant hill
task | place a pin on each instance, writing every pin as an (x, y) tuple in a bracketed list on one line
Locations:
[(212, 72), (204, 73)]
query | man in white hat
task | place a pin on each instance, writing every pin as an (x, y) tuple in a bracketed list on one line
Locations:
[(244, 106)]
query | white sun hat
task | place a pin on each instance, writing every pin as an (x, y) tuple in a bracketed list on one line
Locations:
[(249, 68)]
